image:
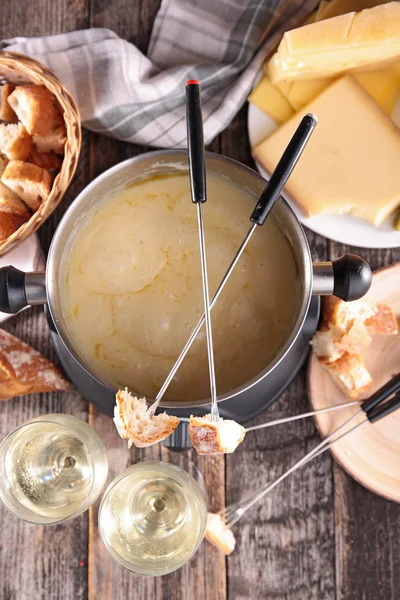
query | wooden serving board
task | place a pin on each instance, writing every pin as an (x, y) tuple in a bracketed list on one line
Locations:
[(371, 454)]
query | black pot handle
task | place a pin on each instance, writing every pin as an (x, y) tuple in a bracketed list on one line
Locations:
[(348, 277), (19, 290), (12, 290), (352, 277)]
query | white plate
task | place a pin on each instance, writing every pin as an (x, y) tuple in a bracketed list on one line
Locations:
[(345, 229)]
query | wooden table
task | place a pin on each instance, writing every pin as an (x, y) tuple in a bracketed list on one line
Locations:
[(319, 535)]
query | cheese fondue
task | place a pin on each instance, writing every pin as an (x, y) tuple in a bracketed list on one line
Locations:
[(132, 292)]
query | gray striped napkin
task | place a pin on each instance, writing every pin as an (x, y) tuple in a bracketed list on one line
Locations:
[(137, 98)]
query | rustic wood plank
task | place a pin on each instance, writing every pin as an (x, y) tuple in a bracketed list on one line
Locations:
[(367, 542), (285, 543), (52, 561)]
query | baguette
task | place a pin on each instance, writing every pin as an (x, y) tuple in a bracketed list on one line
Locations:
[(15, 141), (6, 112), (30, 182), (35, 107), (135, 424), (215, 437), (24, 370)]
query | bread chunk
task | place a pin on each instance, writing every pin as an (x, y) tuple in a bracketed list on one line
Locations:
[(30, 182), (134, 423), (215, 437), (35, 107), (349, 374), (15, 141), (218, 534)]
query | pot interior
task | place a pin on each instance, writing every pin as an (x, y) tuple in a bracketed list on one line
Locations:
[(155, 305)]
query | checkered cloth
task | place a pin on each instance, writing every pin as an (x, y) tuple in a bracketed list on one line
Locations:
[(124, 94)]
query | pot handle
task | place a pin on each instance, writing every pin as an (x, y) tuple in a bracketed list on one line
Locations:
[(348, 277), (19, 290)]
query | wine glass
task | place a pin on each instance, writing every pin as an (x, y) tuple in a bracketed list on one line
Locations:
[(152, 518), (52, 469)]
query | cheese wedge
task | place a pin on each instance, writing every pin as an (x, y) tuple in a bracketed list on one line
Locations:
[(353, 41), (351, 163), (269, 99)]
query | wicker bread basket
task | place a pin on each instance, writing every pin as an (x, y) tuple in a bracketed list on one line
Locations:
[(17, 68)]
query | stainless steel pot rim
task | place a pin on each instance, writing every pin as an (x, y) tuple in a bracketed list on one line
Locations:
[(179, 156)]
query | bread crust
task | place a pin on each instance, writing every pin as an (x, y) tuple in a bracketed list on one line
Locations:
[(24, 370), (9, 224), (383, 322), (6, 112), (206, 437)]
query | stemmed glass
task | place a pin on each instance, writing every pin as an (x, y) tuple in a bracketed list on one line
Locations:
[(52, 468)]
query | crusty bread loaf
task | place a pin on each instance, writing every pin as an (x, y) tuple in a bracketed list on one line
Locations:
[(23, 370), (6, 112), (30, 182), (350, 374), (35, 107), (44, 160), (134, 423), (219, 534), (9, 223), (15, 141), (215, 437)]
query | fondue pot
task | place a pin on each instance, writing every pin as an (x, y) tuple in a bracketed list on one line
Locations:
[(348, 277)]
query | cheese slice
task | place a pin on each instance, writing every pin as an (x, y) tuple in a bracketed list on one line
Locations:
[(269, 99), (351, 163), (352, 41)]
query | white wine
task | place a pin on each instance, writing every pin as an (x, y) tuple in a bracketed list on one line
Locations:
[(152, 518), (52, 468)]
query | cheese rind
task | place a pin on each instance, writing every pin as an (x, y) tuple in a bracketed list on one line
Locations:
[(351, 163), (353, 41)]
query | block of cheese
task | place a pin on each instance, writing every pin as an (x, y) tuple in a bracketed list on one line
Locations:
[(270, 100), (382, 85), (353, 41), (351, 163)]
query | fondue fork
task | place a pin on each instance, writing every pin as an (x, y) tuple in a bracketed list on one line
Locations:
[(197, 171), (374, 409), (264, 205)]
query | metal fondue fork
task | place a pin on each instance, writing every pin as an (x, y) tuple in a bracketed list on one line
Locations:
[(265, 203), (373, 409), (197, 170)]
